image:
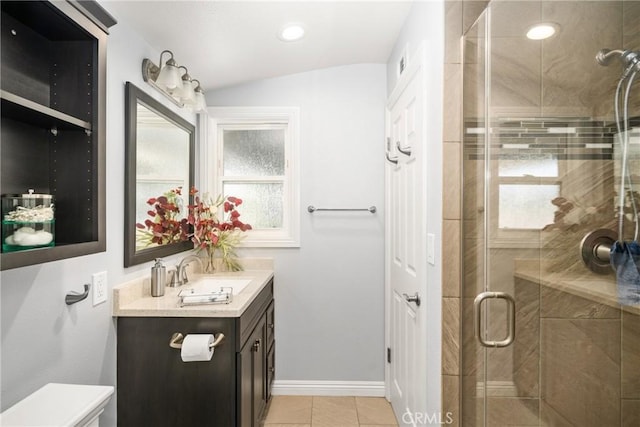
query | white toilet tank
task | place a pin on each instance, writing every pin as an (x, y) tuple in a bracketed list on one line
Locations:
[(59, 405)]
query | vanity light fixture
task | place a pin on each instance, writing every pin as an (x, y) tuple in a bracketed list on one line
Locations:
[(169, 80), (542, 31), (291, 32)]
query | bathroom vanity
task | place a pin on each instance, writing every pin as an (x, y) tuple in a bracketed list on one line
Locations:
[(155, 387)]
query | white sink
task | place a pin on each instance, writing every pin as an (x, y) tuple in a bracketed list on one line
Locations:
[(213, 284)]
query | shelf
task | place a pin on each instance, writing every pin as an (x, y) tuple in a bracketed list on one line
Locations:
[(24, 110)]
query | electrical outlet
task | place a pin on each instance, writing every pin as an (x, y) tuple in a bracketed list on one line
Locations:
[(99, 287)]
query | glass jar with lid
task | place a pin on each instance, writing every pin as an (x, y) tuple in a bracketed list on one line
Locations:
[(27, 221)]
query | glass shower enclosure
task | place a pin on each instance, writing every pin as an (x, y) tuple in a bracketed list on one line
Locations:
[(545, 341)]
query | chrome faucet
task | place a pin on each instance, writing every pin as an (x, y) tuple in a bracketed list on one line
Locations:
[(179, 277)]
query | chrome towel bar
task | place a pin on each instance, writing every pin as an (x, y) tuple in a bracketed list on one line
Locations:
[(177, 338), (371, 209)]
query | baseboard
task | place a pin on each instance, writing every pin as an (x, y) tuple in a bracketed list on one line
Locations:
[(328, 388)]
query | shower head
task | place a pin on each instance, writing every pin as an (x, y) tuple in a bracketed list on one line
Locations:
[(630, 59)]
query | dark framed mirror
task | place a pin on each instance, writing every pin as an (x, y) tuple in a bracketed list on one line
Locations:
[(159, 157)]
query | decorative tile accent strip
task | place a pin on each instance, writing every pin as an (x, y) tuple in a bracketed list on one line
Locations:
[(567, 138)]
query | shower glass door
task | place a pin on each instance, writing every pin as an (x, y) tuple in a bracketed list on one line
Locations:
[(540, 158)]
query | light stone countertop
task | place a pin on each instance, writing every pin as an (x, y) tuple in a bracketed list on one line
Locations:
[(133, 298), (596, 288)]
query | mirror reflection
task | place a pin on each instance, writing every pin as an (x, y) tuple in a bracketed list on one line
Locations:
[(162, 163), (160, 157)]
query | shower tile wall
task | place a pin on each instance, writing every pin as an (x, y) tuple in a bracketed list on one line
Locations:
[(585, 368), (459, 16)]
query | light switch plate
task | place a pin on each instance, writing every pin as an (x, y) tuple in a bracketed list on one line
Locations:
[(99, 287), (431, 249)]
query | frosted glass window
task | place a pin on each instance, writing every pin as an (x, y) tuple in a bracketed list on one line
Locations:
[(538, 165), (527, 207), (262, 203), (162, 148), (253, 152), (256, 159)]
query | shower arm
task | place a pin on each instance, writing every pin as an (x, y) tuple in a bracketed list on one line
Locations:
[(605, 56)]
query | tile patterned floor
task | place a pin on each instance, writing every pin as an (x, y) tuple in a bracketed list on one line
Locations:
[(317, 411)]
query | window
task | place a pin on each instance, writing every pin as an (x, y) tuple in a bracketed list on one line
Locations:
[(255, 158), (526, 185)]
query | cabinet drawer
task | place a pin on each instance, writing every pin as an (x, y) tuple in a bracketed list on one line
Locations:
[(271, 325)]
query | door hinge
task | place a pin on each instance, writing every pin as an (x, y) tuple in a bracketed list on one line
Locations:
[(388, 354)]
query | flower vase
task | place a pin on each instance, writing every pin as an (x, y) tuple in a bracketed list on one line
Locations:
[(209, 262)]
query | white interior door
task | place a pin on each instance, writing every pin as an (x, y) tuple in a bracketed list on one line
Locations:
[(406, 249)]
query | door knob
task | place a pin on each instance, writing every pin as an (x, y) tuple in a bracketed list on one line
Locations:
[(412, 298)]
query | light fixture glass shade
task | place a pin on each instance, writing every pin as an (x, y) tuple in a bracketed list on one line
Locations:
[(169, 77), (187, 94), (200, 102)]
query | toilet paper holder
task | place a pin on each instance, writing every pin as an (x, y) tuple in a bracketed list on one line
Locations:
[(177, 338)]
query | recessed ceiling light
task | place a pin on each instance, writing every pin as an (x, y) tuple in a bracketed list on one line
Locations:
[(542, 31), (291, 32)]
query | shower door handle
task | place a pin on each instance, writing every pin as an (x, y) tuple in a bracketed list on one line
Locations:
[(511, 318)]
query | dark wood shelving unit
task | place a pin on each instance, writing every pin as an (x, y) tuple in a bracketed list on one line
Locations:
[(24, 110), (52, 93)]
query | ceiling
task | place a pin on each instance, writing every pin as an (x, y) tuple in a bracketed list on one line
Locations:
[(224, 43)]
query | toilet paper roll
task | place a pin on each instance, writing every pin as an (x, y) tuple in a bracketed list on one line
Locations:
[(196, 348)]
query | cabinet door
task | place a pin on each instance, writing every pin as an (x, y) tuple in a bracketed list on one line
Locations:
[(259, 372), (156, 388), (271, 371), (251, 377), (245, 385)]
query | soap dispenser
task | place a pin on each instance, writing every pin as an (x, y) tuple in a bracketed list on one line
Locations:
[(158, 278)]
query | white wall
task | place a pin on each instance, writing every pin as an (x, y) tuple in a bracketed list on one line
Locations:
[(425, 24), (425, 21), (329, 293), (43, 339)]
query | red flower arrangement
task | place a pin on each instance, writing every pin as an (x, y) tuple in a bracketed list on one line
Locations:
[(201, 225)]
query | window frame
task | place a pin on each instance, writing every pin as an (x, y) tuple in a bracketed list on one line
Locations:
[(516, 237), (245, 117)]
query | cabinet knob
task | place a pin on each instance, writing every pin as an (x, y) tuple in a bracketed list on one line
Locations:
[(272, 369), (256, 345), (272, 326)]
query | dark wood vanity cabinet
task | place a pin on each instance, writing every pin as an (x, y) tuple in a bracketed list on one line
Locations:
[(257, 368), (53, 93), (155, 388)]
